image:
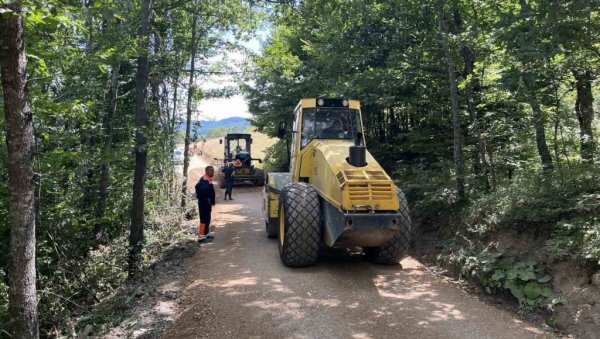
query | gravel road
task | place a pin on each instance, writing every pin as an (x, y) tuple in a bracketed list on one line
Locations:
[(237, 287)]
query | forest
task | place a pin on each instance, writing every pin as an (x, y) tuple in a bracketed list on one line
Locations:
[(482, 111)]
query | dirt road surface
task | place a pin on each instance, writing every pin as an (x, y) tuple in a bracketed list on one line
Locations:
[(236, 287)]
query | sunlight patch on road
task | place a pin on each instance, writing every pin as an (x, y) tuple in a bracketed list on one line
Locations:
[(445, 312), (323, 302), (246, 281), (294, 307), (276, 285), (279, 309), (530, 328), (396, 287)]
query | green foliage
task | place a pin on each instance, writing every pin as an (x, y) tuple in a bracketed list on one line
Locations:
[(73, 48), (4, 318), (276, 159), (106, 268), (429, 189), (565, 203), (537, 198), (74, 283), (577, 238), (389, 55), (496, 272)]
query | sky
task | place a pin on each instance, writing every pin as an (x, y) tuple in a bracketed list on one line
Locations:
[(217, 109), (235, 106)]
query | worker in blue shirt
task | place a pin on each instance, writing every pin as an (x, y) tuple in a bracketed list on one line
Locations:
[(205, 192), (229, 174)]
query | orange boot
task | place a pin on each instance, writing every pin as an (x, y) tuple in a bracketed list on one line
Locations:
[(201, 230)]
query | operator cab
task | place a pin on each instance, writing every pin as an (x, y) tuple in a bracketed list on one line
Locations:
[(332, 119), (242, 147)]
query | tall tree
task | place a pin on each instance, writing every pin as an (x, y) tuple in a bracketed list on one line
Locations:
[(459, 168), (111, 108), (136, 236), (190, 98), (21, 176), (584, 108), (531, 82), (539, 123)]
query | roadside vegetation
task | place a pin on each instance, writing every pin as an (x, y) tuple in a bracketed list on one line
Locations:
[(107, 86)]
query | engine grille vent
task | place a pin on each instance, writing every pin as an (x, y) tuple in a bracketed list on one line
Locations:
[(340, 177), (368, 186), (355, 175), (377, 175)]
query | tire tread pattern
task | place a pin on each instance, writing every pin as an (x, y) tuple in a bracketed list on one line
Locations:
[(302, 225), (260, 177), (272, 228), (396, 248)]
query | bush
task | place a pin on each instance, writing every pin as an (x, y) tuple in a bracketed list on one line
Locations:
[(276, 157), (541, 199), (525, 280), (4, 318), (427, 190), (578, 238)]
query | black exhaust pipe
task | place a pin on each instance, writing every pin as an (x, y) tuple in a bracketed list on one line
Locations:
[(358, 153)]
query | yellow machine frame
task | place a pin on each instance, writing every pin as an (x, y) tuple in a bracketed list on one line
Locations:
[(359, 204), (350, 188)]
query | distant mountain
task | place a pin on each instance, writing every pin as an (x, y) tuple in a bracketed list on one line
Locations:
[(236, 124)]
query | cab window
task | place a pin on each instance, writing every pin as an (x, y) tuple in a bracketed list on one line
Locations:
[(329, 123)]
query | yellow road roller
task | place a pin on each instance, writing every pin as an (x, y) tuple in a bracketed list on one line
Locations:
[(335, 193)]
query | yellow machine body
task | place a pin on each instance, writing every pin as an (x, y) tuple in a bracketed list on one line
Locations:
[(359, 204), (322, 163), (369, 188)]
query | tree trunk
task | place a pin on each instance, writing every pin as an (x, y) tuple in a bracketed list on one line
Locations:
[(175, 99), (393, 123), (380, 126), (188, 122), (89, 132), (471, 90), (538, 115), (158, 123), (457, 132), (492, 164), (173, 120), (108, 137), (21, 177), (136, 236), (584, 108), (540, 132)]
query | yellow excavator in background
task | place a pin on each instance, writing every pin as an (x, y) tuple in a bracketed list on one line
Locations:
[(335, 193)]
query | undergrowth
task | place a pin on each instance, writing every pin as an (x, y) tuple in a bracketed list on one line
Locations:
[(560, 208), (527, 281), (77, 285), (565, 204)]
